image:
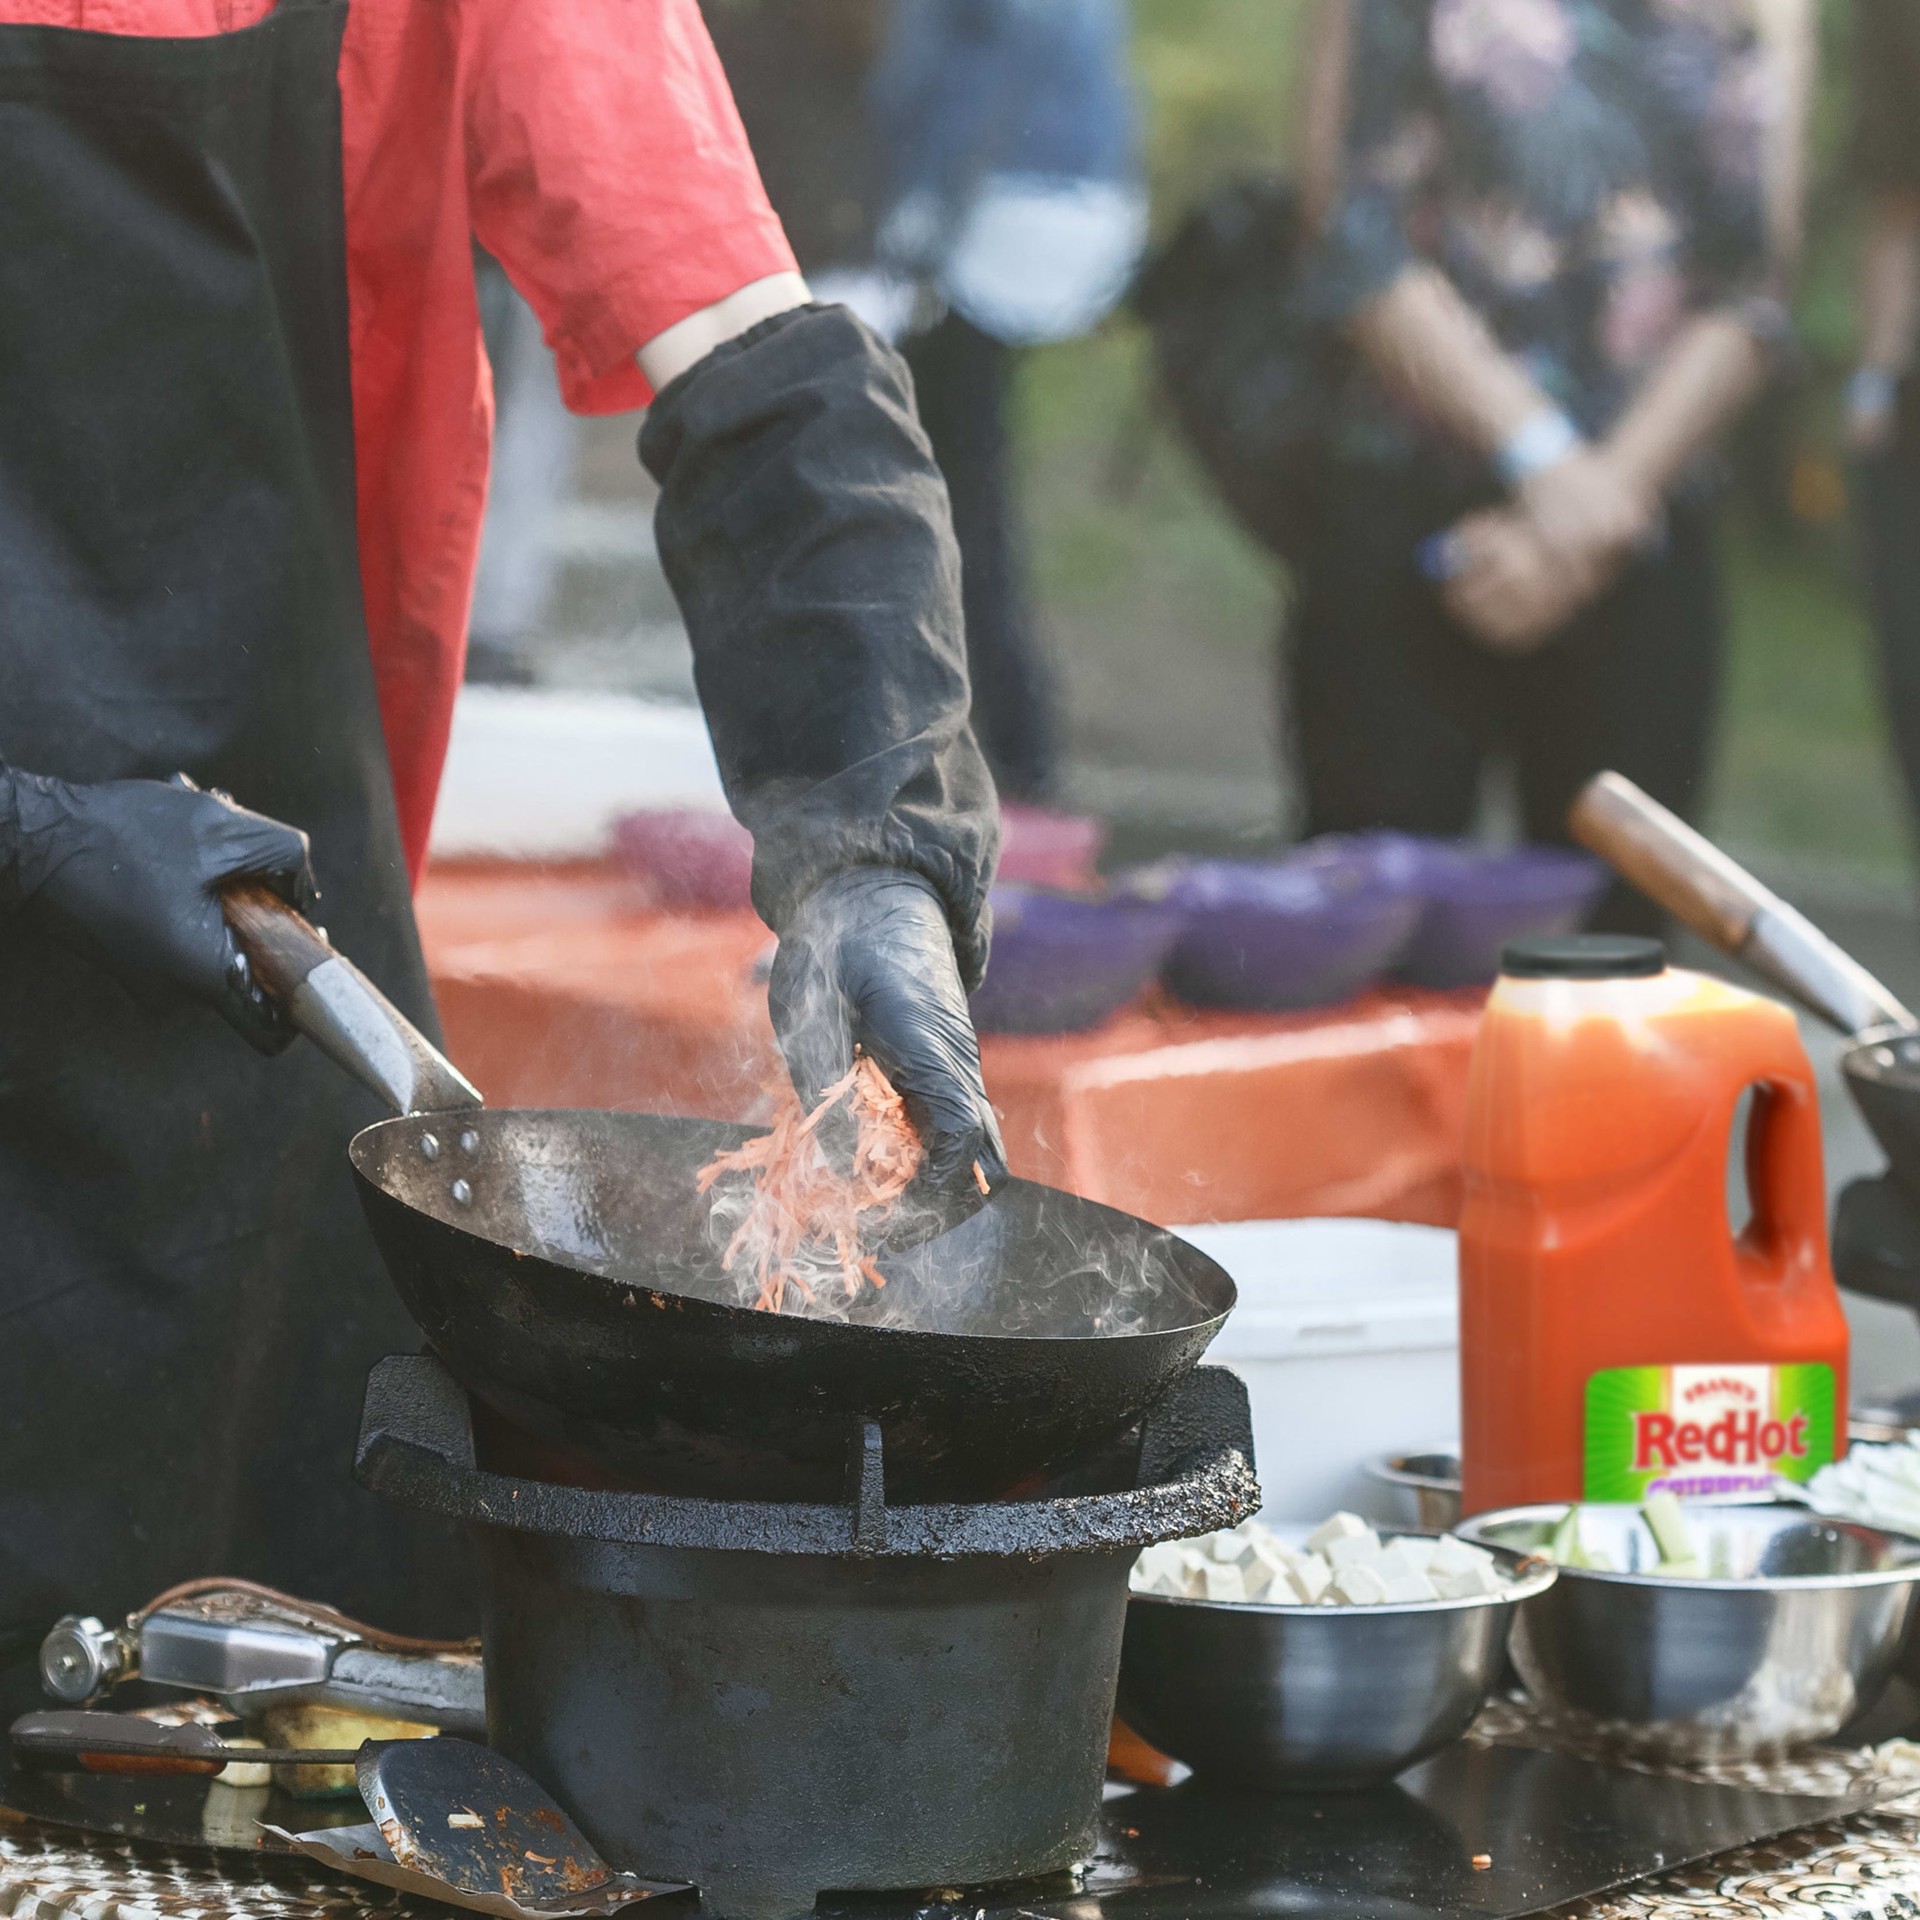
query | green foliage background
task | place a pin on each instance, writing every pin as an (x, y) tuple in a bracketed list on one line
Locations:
[(1133, 559)]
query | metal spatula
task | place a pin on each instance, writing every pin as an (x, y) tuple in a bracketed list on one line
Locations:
[(461, 1814)]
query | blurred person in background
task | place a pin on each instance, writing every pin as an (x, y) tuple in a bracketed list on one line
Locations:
[(1557, 235), (1013, 204), (1883, 407), (965, 174)]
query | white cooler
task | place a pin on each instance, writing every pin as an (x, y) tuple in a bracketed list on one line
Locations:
[(1348, 1337)]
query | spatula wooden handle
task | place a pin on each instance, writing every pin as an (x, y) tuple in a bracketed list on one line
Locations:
[(339, 1009), (1668, 861), (281, 945)]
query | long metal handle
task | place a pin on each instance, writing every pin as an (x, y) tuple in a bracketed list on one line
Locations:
[(339, 1009), (1722, 902), (124, 1743)]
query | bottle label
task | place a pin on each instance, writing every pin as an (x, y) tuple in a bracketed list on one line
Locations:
[(1705, 1430)]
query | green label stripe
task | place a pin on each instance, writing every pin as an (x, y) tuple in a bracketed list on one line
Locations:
[(1706, 1429)]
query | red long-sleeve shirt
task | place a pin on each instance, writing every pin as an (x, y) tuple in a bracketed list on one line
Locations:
[(594, 150)]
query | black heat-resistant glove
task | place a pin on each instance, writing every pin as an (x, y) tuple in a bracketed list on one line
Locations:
[(805, 530), (128, 873), (867, 960)]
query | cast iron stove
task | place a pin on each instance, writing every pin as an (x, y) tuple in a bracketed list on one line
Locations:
[(774, 1700)]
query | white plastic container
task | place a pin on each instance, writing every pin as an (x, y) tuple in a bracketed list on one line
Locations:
[(1348, 1337)]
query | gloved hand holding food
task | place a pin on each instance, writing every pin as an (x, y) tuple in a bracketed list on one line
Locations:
[(804, 527), (867, 964)]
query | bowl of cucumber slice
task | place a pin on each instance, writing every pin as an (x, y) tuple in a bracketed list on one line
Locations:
[(1696, 1631)]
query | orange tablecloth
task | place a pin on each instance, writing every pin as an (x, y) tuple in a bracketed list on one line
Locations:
[(559, 987)]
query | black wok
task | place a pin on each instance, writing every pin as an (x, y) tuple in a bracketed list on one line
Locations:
[(565, 1268), (1723, 903)]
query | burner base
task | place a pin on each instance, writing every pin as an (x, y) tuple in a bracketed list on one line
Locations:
[(773, 1700)]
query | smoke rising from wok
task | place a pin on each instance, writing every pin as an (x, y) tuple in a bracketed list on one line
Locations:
[(1032, 1263), (1029, 1263)]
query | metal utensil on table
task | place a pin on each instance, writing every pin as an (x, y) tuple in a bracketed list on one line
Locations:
[(460, 1823), (1796, 1629), (100, 1742), (1723, 903), (1300, 1698), (567, 1269), (470, 1818), (253, 1649)]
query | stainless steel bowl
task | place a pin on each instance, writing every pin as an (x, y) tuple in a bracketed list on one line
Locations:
[(1422, 1488), (1311, 1698), (1796, 1629), (1418, 1490)]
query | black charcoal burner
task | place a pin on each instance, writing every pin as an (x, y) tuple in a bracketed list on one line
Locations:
[(775, 1701)]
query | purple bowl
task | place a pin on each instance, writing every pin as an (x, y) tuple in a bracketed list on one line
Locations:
[(1477, 900), (1063, 961), (1272, 935), (694, 858)]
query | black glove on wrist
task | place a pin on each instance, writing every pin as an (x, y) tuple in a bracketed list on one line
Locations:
[(128, 872), (805, 530), (867, 959)]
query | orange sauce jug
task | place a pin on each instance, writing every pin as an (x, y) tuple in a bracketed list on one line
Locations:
[(1617, 1337)]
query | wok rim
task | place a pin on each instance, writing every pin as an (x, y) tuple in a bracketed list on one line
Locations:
[(360, 1146)]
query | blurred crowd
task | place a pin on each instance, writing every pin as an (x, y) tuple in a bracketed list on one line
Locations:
[(1469, 368)]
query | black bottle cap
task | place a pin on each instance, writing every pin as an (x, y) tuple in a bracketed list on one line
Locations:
[(1584, 956)]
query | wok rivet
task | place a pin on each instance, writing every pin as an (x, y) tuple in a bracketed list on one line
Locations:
[(1885, 1057), (430, 1145), (462, 1194), (469, 1142)]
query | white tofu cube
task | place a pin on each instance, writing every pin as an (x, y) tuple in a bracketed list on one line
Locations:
[(1468, 1582), (1353, 1550), (1342, 1526), (1411, 1550), (1359, 1586), (1399, 1558), (1310, 1576), (1229, 1549), (1269, 1553), (1408, 1585), (1259, 1579), (1158, 1569), (1450, 1553), (1225, 1583)]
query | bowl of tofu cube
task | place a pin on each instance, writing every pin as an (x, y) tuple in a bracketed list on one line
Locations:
[(1295, 1659), (1700, 1630)]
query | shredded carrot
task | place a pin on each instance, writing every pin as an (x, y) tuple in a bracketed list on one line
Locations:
[(804, 1229)]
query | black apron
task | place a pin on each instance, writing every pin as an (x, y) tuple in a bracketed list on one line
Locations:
[(189, 1300)]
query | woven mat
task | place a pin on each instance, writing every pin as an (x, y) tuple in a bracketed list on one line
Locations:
[(1865, 1867), (1861, 1868), (48, 1873)]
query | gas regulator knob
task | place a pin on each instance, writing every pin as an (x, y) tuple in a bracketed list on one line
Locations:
[(81, 1658)]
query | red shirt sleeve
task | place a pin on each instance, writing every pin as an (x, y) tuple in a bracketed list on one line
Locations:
[(609, 174)]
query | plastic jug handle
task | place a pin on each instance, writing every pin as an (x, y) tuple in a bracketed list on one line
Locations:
[(1786, 1179)]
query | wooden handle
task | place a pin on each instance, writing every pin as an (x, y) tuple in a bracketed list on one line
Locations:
[(146, 1763), (1671, 864), (281, 946)]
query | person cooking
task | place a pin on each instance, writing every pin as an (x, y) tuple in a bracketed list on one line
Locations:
[(243, 437)]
